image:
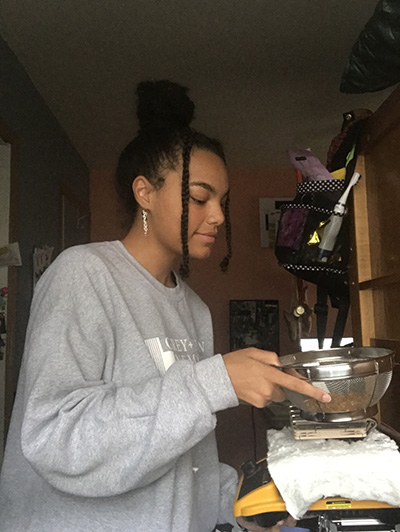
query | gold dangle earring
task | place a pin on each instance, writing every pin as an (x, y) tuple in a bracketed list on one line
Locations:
[(145, 224)]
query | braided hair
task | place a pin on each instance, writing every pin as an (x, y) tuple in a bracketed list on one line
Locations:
[(165, 141)]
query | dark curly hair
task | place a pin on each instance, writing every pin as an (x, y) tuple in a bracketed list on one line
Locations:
[(164, 141)]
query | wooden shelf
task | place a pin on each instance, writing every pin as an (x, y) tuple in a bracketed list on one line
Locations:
[(375, 265), (379, 282), (388, 343)]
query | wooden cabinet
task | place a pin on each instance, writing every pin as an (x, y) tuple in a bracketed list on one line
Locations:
[(375, 264)]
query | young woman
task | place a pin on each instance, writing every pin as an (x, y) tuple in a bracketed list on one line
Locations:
[(113, 425)]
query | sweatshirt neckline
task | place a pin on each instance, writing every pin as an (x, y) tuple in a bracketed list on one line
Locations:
[(176, 292)]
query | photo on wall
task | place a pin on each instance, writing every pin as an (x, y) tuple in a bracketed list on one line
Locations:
[(254, 323)]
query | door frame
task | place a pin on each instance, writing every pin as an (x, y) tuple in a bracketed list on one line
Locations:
[(10, 378)]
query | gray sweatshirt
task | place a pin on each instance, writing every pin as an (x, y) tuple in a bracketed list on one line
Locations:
[(113, 424)]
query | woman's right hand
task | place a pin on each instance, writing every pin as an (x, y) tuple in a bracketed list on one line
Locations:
[(257, 379)]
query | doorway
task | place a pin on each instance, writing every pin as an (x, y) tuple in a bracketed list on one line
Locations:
[(8, 276)]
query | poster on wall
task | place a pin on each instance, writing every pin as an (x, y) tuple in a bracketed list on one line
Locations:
[(270, 212), (42, 257), (254, 323)]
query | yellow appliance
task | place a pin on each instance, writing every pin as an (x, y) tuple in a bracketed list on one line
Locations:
[(258, 499)]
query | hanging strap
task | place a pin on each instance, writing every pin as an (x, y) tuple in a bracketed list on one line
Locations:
[(343, 310), (321, 311), (342, 303)]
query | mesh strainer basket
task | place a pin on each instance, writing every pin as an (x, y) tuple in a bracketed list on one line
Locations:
[(356, 378)]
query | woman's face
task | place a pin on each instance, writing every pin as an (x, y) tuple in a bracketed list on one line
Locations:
[(208, 189)]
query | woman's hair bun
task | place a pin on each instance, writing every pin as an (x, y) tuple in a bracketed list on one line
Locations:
[(163, 104)]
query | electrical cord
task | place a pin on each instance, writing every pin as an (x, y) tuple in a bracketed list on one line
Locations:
[(253, 422)]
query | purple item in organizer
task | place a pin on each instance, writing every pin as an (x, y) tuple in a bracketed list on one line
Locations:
[(291, 225), (309, 165)]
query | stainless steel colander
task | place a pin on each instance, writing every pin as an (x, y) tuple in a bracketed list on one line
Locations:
[(356, 378)]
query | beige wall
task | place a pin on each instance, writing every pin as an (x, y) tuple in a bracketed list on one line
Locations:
[(254, 274), (105, 222)]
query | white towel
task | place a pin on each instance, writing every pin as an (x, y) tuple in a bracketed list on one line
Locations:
[(305, 471)]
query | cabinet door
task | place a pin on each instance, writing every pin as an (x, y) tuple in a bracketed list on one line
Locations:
[(375, 268)]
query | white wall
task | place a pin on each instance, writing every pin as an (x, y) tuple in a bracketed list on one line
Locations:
[(5, 153)]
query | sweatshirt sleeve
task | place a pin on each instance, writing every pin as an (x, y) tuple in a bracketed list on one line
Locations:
[(89, 437), (228, 487)]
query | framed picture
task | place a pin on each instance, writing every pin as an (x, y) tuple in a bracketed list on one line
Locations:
[(254, 323)]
